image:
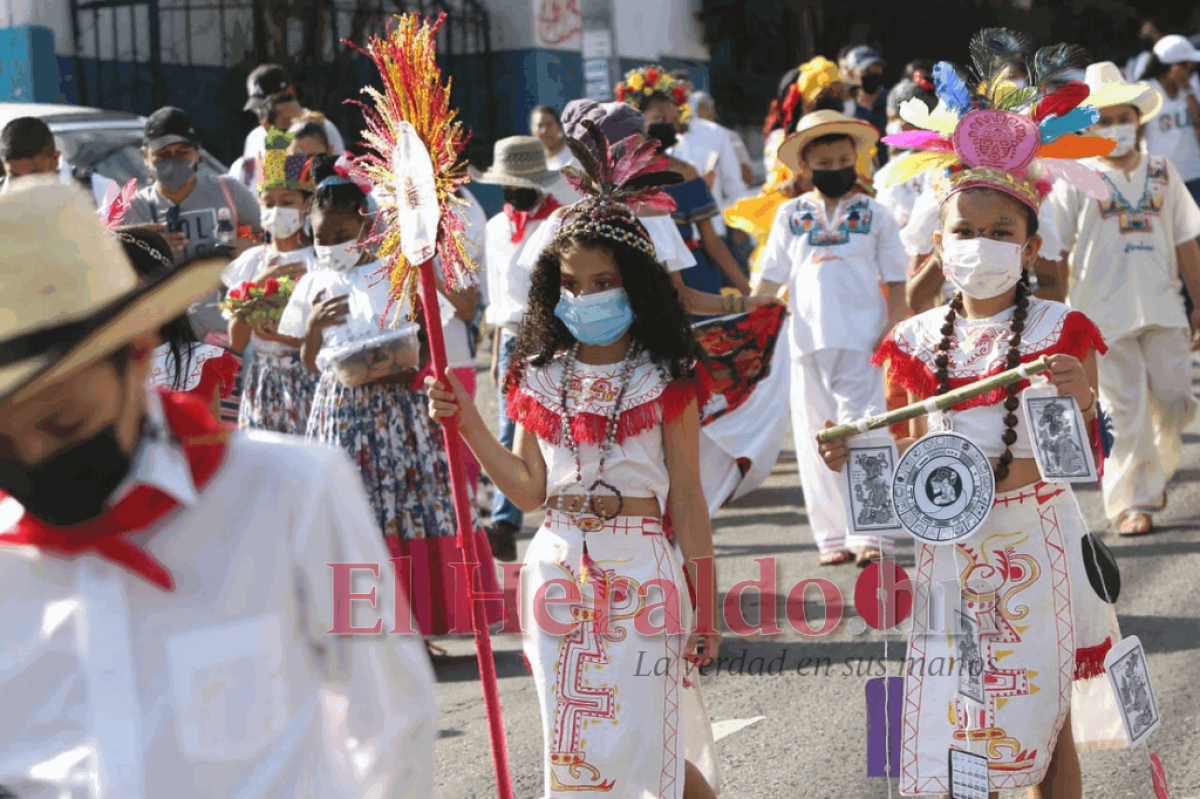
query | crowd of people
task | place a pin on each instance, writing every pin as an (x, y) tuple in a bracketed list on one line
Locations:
[(157, 635)]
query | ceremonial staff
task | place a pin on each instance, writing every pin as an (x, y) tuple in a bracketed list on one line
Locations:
[(938, 403), (415, 147)]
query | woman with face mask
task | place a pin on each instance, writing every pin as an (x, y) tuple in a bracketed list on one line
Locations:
[(695, 206), (1023, 569), (277, 389), (366, 404), (1131, 253), (1174, 132)]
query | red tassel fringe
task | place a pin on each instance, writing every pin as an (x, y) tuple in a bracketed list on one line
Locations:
[(1089, 661), (589, 428), (1080, 337)]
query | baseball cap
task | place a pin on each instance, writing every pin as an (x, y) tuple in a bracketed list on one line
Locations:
[(167, 126), (862, 57), (264, 81), (1175, 49)]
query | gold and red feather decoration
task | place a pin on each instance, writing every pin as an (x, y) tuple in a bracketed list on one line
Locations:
[(413, 92)]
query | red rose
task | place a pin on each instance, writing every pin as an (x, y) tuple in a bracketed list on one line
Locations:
[(270, 287), (652, 77), (237, 294), (621, 92), (680, 94)]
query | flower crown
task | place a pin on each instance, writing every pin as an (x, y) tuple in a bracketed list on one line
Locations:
[(616, 180), (1016, 140), (279, 170), (650, 80)]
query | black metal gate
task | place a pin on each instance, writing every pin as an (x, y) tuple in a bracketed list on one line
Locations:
[(138, 55)]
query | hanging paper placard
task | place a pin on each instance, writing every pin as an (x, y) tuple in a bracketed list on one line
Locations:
[(416, 195), (968, 775), (869, 478), (1130, 678), (1060, 442)]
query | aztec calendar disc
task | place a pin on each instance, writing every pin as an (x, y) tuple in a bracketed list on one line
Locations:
[(943, 488)]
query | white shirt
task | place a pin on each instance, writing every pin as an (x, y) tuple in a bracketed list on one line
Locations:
[(833, 270), (247, 265), (368, 293), (256, 140), (508, 272), (563, 157), (704, 142), (1171, 134), (230, 685), (1124, 267), (162, 369), (917, 235)]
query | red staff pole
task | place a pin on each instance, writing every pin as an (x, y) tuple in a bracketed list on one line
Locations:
[(466, 537)]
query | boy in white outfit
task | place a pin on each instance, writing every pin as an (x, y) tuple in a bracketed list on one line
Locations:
[(1130, 255), (833, 248)]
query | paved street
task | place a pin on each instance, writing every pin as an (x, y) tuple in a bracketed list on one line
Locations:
[(789, 736)]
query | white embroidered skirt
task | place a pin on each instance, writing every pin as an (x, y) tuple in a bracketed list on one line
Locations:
[(617, 716), (1026, 616)]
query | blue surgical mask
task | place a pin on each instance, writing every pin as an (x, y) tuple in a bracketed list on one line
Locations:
[(599, 319)]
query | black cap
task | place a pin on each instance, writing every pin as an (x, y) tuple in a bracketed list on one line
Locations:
[(169, 125), (264, 81)]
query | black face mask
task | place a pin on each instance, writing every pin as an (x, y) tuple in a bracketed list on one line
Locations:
[(71, 486), (872, 82), (665, 133), (829, 103), (835, 182), (521, 199)]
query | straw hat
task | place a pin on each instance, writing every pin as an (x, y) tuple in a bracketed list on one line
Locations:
[(519, 161), (824, 123), (68, 295), (1108, 88)]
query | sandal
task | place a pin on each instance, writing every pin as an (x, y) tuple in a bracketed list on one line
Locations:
[(866, 555), (1134, 523), (835, 558)]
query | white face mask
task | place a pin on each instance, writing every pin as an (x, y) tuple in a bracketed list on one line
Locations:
[(1125, 136), (982, 268), (282, 223), (339, 257)]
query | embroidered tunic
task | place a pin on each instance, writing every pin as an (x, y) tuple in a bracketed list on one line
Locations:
[(618, 716), (1026, 615)]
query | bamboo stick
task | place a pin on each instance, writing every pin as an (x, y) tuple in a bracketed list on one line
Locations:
[(939, 403)]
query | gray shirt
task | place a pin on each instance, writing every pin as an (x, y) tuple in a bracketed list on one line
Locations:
[(197, 216)]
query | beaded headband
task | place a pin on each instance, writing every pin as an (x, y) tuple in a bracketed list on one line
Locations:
[(145, 247), (1001, 136), (617, 180)]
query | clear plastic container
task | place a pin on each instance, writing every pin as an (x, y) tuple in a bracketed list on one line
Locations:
[(374, 358)]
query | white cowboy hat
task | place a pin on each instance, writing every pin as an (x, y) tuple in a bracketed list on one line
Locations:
[(1108, 88), (824, 123), (68, 295), (518, 161)]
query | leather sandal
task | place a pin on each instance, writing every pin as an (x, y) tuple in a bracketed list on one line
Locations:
[(866, 555), (835, 558), (1134, 523)]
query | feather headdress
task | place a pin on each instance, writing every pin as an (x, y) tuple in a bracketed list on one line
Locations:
[(617, 181), (990, 132), (118, 204), (413, 92)]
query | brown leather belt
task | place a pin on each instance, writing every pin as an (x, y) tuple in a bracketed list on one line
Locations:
[(607, 505)]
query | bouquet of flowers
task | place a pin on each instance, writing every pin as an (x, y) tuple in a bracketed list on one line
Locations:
[(259, 306)]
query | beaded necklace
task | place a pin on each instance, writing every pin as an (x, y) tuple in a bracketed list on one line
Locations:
[(589, 517)]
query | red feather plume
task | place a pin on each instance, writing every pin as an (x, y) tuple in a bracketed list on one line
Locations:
[(1061, 101)]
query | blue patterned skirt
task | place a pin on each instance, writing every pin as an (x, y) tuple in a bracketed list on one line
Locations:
[(277, 393)]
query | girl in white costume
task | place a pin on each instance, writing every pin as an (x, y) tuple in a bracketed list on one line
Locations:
[(606, 401), (1036, 624)]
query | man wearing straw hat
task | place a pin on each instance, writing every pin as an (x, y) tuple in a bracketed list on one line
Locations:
[(169, 594), (519, 168), (1130, 256)]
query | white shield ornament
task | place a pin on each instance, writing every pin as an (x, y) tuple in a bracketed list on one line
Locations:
[(943, 488), (416, 195)]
